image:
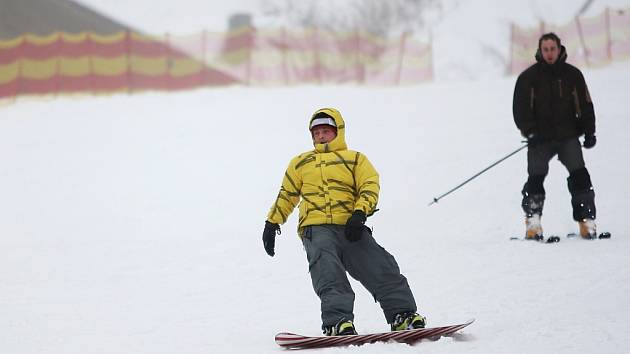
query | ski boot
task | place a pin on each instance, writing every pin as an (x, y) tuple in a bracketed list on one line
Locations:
[(533, 228), (408, 320), (342, 328), (588, 229)]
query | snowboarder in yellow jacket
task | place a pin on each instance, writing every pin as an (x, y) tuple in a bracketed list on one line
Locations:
[(337, 189)]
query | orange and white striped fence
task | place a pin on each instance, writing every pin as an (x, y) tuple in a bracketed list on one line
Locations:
[(126, 61)]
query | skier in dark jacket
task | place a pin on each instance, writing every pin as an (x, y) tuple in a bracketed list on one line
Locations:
[(552, 108)]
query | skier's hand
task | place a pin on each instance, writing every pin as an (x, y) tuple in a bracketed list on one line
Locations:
[(589, 141), (269, 237), (533, 140), (354, 226)]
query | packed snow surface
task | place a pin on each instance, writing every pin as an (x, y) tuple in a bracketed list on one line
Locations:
[(132, 223)]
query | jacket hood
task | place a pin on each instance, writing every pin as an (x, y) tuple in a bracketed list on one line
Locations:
[(562, 57), (339, 142)]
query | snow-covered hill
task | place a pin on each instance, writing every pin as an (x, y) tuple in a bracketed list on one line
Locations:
[(133, 223)]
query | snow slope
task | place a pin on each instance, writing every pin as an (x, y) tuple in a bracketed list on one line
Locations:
[(133, 223)]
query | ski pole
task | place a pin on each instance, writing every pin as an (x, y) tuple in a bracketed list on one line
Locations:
[(435, 200)]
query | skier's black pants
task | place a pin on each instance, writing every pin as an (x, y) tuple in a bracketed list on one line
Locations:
[(569, 153), (330, 255)]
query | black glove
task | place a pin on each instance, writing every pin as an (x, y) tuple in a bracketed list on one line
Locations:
[(269, 237), (354, 226), (589, 141), (533, 140)]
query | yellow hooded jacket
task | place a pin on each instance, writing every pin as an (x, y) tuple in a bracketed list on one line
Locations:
[(331, 182)]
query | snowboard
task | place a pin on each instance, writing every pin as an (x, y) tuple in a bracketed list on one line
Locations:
[(297, 341)]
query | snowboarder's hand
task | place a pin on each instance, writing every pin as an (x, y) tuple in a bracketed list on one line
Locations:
[(354, 226), (589, 141), (269, 237)]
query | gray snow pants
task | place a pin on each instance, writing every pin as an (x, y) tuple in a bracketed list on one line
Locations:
[(330, 255), (569, 153)]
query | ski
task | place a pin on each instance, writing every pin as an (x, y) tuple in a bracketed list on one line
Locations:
[(602, 236), (554, 238), (541, 239), (412, 336)]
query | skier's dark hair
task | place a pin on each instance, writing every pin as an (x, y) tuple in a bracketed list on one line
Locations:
[(548, 36)]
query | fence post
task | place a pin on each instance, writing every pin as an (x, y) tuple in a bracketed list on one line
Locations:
[(167, 60), (250, 54), (587, 52), (285, 59), (58, 48), (401, 54), (204, 59), (18, 79), (91, 75), (129, 64), (317, 64), (431, 62), (359, 69), (608, 34)]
